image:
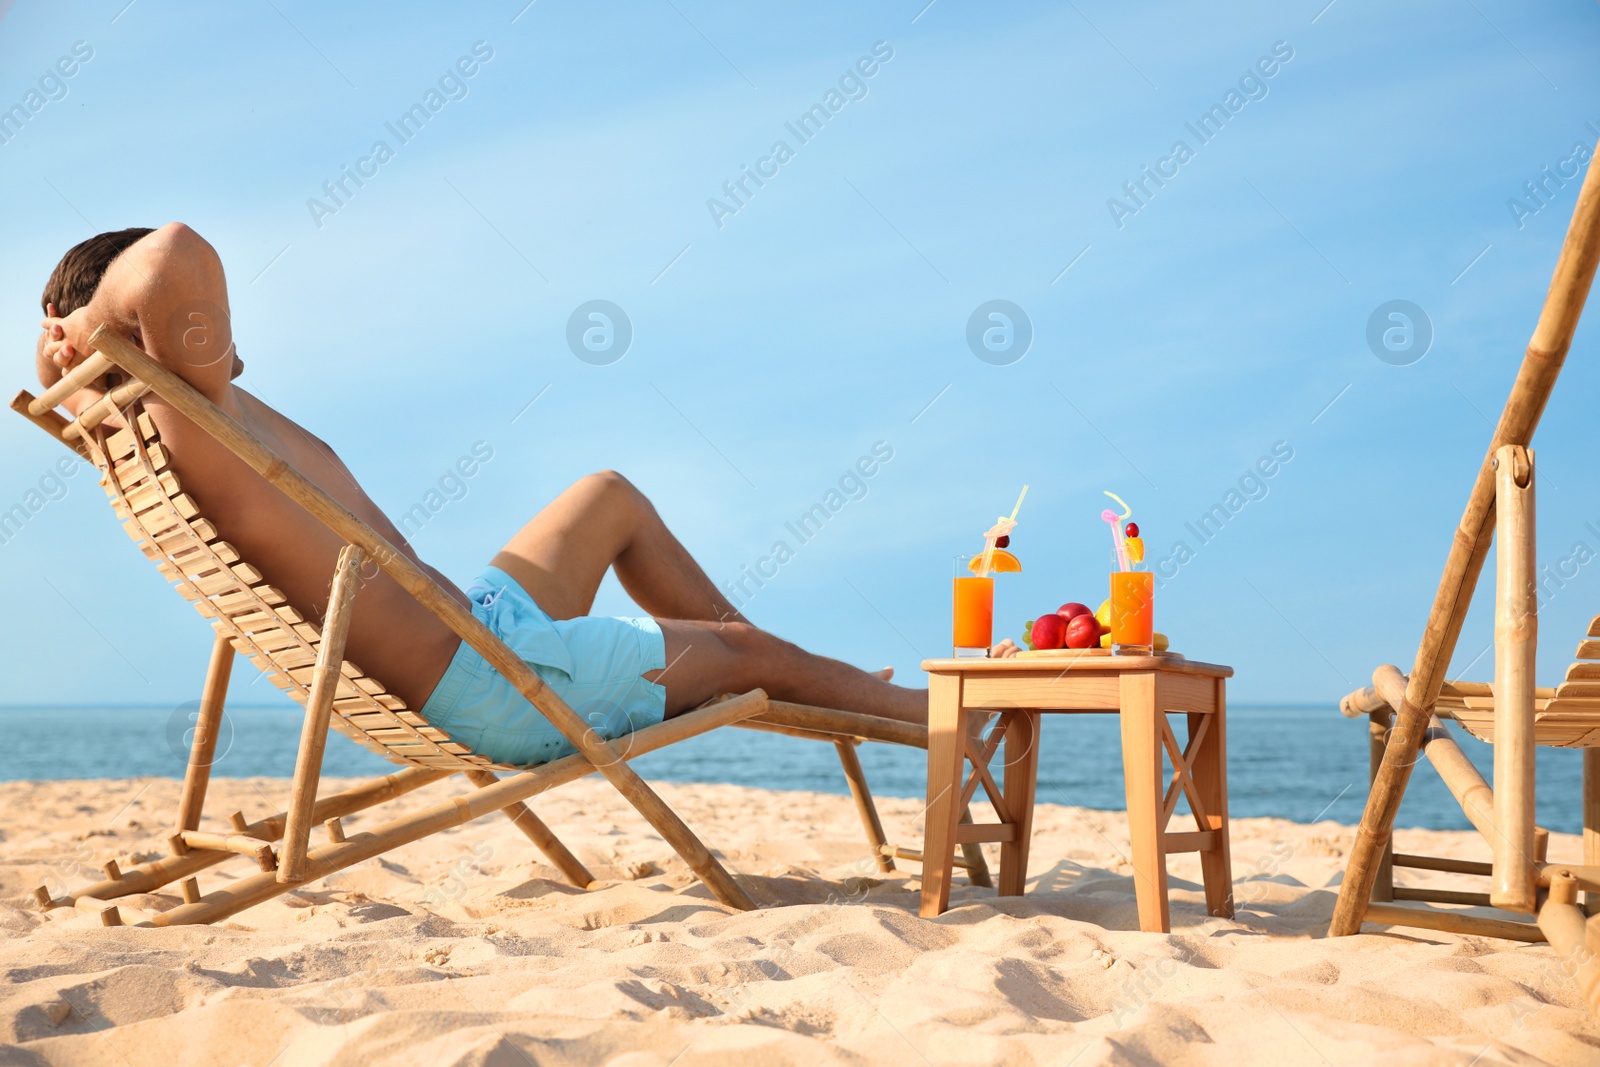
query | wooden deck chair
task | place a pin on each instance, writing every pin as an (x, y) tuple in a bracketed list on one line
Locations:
[(251, 617), (1408, 713)]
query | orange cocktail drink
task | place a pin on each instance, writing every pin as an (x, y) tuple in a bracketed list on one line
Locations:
[(1133, 608), (973, 613)]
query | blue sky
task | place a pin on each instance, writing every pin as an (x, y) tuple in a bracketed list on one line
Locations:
[(1226, 316)]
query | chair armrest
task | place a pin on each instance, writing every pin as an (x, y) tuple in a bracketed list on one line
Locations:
[(1363, 701)]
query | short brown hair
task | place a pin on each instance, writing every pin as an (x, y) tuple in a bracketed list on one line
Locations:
[(77, 276)]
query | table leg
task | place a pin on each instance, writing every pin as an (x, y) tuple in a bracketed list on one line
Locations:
[(1142, 777), (1021, 776), (947, 733), (1210, 771)]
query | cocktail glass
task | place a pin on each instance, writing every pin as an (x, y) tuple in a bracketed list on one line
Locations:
[(972, 601), (1133, 611)]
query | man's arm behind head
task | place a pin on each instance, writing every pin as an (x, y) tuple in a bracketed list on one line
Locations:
[(168, 294)]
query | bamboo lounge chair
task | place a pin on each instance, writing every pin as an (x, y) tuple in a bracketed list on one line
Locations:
[(251, 617), (1408, 713)]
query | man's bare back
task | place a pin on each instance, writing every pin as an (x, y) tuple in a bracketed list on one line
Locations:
[(167, 292)]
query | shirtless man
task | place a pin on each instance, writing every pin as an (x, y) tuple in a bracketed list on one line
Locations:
[(166, 291)]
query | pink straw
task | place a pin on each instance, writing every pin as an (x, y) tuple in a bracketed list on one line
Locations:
[(1111, 517), (1116, 530)]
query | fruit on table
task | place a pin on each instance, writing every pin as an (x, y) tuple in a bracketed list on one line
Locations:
[(1073, 610), (1000, 562), (1048, 631), (1158, 642), (1103, 613), (1083, 632)]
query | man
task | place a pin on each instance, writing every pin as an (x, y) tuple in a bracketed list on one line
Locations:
[(165, 290)]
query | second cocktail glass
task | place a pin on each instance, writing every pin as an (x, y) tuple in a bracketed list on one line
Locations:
[(1133, 610)]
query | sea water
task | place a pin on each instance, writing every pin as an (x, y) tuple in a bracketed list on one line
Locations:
[(1297, 763)]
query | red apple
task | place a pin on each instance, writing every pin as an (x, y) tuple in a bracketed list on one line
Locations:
[(1083, 632), (1071, 611), (1049, 631)]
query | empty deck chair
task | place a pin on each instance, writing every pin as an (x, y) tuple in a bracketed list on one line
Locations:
[(1409, 713)]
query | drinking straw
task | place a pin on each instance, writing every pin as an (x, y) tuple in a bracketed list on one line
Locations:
[(1004, 526), (1115, 522)]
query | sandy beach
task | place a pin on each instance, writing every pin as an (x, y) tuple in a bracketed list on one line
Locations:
[(466, 948)]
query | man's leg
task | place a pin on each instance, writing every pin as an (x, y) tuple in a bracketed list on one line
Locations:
[(601, 521), (708, 658)]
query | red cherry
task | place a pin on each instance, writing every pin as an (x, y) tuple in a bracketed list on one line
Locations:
[(1003, 541), (1132, 529)]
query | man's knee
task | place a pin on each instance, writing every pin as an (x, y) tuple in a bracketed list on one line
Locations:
[(746, 650), (610, 487), (751, 643)]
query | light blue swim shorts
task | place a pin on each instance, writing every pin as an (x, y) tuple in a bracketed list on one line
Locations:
[(594, 663)]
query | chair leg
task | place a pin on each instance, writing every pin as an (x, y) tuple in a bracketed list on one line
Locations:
[(534, 828), (865, 807), (203, 749), (325, 683), (152, 875), (1591, 822), (1515, 885), (1377, 733)]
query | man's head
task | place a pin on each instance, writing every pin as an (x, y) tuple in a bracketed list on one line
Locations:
[(77, 276)]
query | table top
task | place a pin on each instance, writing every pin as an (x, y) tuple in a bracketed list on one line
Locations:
[(1084, 662)]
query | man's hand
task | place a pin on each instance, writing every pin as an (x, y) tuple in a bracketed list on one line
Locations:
[(66, 339)]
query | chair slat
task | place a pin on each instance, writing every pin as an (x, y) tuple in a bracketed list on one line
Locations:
[(255, 616), (1574, 708), (132, 469), (239, 602), (153, 495), (120, 442), (217, 583), (275, 640)]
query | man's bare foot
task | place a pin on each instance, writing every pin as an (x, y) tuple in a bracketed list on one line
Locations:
[(887, 674), (1004, 650)]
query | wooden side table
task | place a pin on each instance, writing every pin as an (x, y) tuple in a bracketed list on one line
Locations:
[(1142, 690)]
